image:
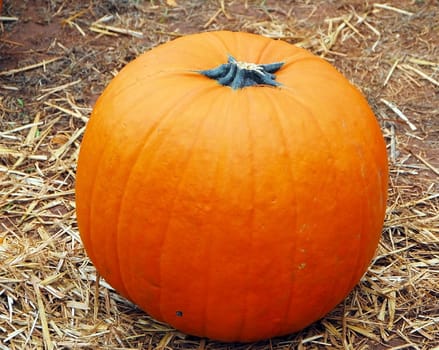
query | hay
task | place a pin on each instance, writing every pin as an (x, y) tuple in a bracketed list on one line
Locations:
[(50, 294)]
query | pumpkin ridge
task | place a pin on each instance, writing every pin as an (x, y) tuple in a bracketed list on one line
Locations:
[(165, 116), (300, 57), (224, 150), (360, 242), (333, 284), (90, 200), (367, 204), (190, 152), (263, 50), (222, 41), (311, 117), (97, 166), (92, 195), (164, 72), (280, 114), (353, 280), (365, 158), (252, 180), (165, 234), (97, 163), (208, 248), (138, 152), (299, 99), (290, 69)]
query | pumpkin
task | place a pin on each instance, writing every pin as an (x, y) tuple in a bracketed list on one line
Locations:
[(231, 185)]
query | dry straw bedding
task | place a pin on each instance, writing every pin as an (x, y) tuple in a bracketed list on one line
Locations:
[(50, 295)]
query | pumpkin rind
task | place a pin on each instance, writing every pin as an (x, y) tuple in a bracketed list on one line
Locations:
[(232, 214)]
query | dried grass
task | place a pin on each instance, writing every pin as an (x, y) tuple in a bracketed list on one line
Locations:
[(50, 295)]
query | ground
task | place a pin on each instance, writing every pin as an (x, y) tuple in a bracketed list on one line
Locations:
[(57, 56)]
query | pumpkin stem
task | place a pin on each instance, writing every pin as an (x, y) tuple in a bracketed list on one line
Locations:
[(238, 75)]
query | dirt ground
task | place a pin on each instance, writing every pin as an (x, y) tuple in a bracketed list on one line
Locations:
[(56, 57)]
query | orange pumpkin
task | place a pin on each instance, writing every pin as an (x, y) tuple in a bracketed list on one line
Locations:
[(232, 185)]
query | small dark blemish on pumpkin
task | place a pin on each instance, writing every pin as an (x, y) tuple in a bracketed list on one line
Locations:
[(179, 313)]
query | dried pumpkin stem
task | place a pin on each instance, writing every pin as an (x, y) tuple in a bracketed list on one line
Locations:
[(237, 75)]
